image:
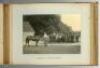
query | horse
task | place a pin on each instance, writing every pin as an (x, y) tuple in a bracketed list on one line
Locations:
[(32, 38), (37, 39)]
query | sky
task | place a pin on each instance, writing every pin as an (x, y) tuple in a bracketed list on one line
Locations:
[(73, 20)]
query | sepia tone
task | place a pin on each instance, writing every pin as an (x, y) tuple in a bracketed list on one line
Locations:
[(20, 58), (50, 34)]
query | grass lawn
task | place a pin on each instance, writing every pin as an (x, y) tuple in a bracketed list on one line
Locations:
[(54, 48)]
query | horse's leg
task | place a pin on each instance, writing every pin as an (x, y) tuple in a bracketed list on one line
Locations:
[(27, 43), (37, 43)]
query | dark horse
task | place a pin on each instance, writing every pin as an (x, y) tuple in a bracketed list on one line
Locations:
[(36, 39), (32, 38)]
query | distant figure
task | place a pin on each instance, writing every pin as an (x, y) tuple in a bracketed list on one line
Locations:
[(77, 38), (45, 39)]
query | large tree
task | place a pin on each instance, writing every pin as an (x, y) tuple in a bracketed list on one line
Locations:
[(46, 23)]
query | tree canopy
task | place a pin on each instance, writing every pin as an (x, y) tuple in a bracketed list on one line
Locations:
[(46, 23)]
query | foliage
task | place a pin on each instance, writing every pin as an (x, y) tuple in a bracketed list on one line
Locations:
[(46, 23)]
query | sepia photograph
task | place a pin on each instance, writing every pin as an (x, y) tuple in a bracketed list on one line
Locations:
[(52, 34)]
